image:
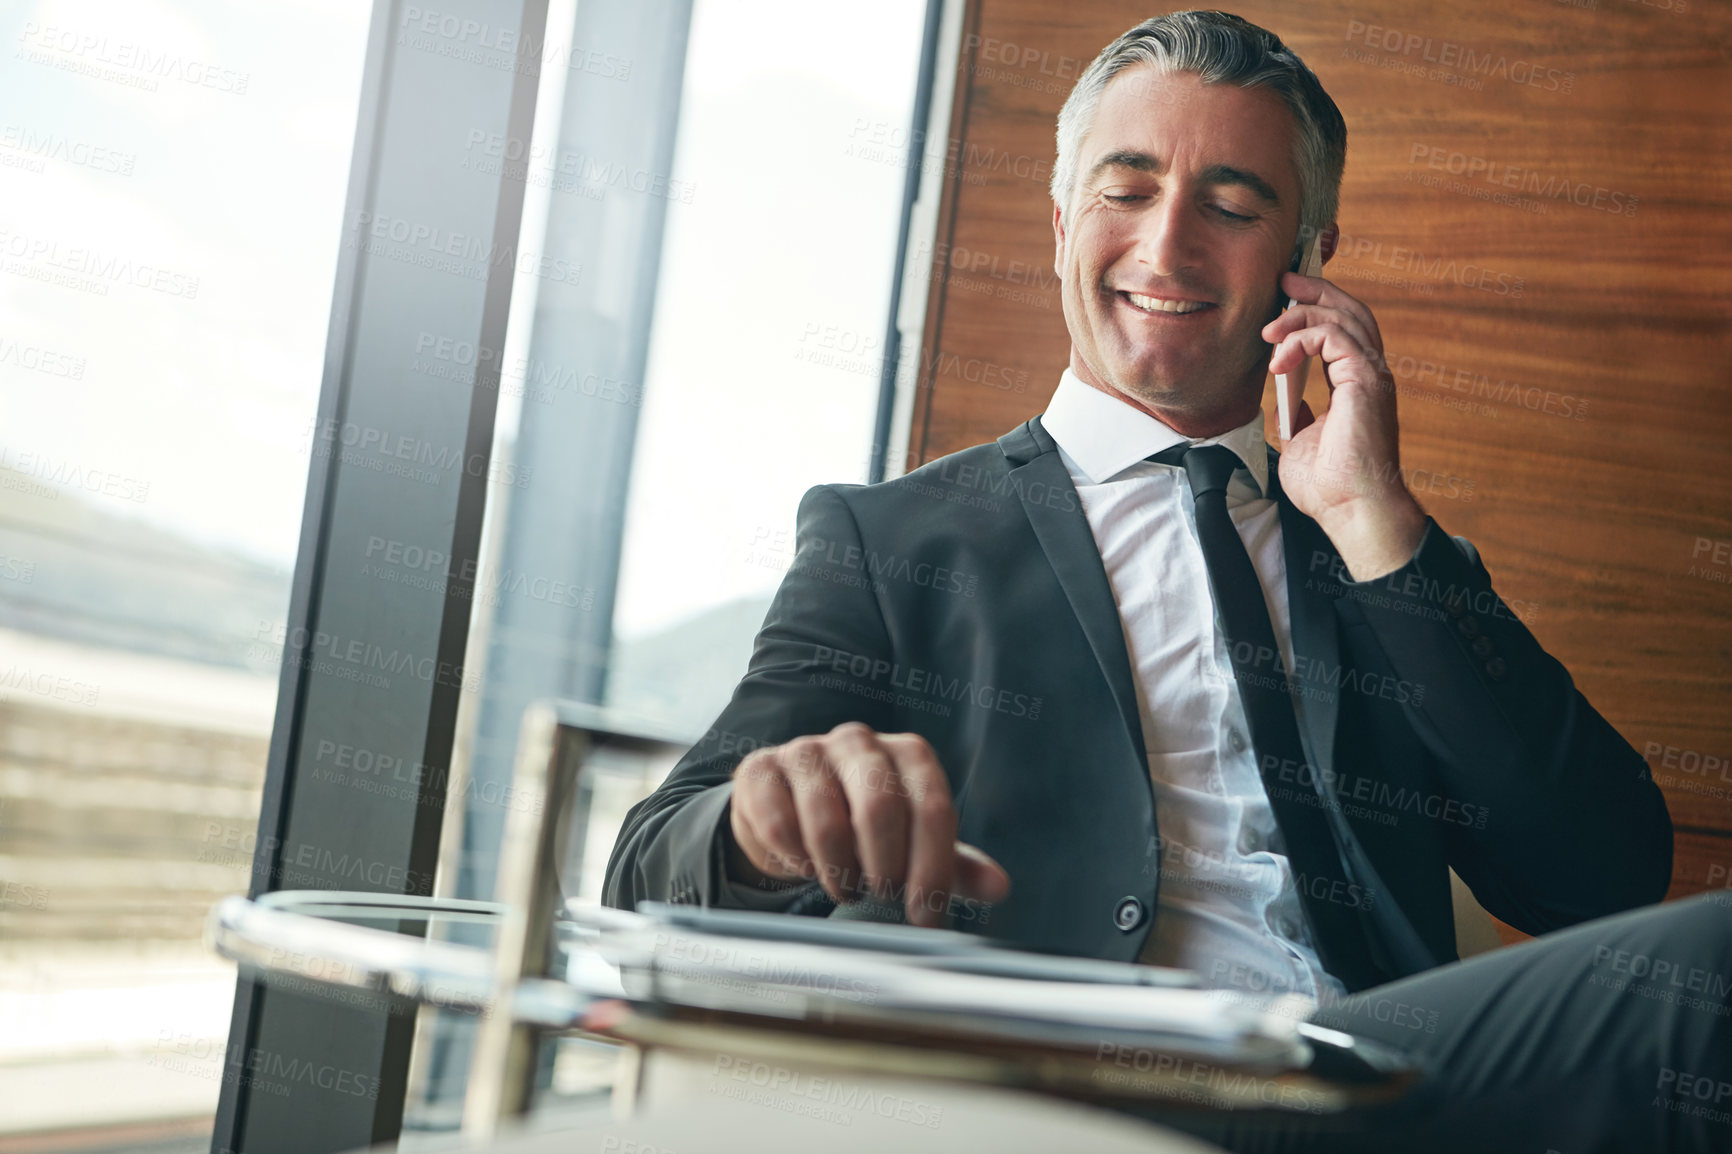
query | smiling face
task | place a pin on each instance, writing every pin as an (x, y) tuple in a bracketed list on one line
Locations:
[(1179, 226)]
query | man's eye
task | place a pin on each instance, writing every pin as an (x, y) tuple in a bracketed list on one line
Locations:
[(1121, 198), (1232, 215)]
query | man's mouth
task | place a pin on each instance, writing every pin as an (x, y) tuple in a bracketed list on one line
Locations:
[(1165, 305)]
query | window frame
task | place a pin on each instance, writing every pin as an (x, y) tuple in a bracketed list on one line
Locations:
[(396, 837)]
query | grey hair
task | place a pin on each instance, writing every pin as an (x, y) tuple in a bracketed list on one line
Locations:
[(1221, 49)]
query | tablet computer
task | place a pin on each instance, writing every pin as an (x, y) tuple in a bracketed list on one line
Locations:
[(933, 949)]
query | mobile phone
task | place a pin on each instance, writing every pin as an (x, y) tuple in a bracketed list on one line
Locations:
[(1289, 387)]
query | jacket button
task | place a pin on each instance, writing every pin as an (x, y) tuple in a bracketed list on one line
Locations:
[(1129, 914), (1496, 669), (1469, 626), (1482, 647)]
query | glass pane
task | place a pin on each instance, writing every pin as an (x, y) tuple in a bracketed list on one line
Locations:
[(769, 334), (732, 197), (634, 567), (171, 195)]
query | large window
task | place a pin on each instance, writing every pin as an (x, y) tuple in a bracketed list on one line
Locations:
[(711, 197), (723, 353), (769, 336), (171, 190), (726, 356)]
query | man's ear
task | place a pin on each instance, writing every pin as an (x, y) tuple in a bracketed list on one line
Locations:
[(1058, 239), (1326, 247)]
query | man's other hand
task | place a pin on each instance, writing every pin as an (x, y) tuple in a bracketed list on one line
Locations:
[(863, 812)]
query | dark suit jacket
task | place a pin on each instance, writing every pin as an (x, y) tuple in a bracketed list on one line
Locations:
[(967, 602)]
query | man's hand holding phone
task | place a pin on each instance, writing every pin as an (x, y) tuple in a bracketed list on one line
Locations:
[(864, 813), (1343, 469)]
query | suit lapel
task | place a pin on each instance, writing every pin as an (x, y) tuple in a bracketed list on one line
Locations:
[(1316, 638), (1064, 535), (1062, 528)]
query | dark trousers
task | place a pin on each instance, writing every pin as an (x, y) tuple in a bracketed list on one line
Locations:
[(1613, 1036)]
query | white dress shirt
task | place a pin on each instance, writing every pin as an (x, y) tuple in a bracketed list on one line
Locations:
[(1228, 907)]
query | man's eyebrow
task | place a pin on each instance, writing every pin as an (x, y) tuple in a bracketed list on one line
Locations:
[(1214, 174), (1127, 158), (1226, 174)]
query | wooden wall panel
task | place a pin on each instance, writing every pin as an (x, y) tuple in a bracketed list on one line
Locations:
[(1562, 344)]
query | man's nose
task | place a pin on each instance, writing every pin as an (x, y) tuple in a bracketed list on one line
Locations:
[(1167, 237)]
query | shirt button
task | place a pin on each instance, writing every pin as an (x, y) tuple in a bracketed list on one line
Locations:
[(1129, 914), (1287, 927), (1235, 741), (1249, 842)]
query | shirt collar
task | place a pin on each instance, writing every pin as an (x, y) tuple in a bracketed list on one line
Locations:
[(1105, 436)]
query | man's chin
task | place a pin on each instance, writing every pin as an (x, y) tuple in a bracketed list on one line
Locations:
[(1173, 399), (1152, 398), (1158, 384)]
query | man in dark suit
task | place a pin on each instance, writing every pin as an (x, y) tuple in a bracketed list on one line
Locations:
[(1127, 684)]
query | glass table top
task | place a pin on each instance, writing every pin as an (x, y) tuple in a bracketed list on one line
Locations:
[(892, 998)]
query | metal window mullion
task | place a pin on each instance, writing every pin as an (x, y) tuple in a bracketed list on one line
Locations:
[(420, 104)]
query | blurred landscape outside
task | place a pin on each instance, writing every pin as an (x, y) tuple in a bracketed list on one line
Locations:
[(154, 451)]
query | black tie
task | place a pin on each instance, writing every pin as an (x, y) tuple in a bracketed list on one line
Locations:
[(1262, 680)]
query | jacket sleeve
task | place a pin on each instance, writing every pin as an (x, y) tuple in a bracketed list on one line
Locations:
[(823, 636), (1576, 829)]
